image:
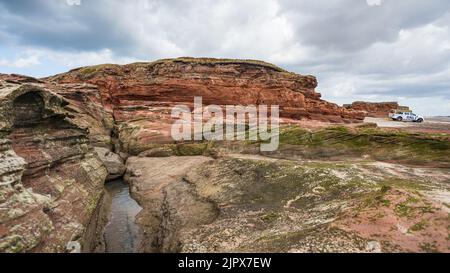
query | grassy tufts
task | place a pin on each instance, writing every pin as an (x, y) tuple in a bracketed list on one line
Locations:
[(378, 144)]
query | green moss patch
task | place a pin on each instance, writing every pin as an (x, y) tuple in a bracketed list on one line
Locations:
[(418, 227), (189, 149), (380, 145)]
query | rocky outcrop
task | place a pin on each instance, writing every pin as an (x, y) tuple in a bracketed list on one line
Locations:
[(375, 109), (51, 175), (61, 137), (112, 161), (51, 181), (334, 189), (85, 106), (141, 95), (169, 204), (246, 203)]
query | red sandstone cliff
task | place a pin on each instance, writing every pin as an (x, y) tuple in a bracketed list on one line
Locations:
[(51, 175), (141, 94), (49, 128), (374, 109)]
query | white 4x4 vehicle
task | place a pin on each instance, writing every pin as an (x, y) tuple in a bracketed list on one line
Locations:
[(406, 116)]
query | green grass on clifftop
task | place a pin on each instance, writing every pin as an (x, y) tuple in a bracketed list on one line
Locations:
[(90, 71), (227, 61), (377, 144)]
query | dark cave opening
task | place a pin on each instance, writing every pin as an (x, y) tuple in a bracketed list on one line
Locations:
[(28, 109)]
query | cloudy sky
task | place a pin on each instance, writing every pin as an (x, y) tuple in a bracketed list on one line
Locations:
[(372, 50)]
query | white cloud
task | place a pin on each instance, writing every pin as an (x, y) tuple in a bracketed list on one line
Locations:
[(74, 59), (421, 49), (248, 29), (373, 50), (22, 62), (35, 57)]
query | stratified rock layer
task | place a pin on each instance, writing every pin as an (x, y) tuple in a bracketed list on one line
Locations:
[(51, 176), (141, 95), (375, 109), (50, 180)]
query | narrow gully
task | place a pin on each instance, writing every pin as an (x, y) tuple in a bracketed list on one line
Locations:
[(121, 233)]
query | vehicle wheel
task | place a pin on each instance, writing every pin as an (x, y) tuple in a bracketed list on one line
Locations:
[(420, 120), (399, 119)]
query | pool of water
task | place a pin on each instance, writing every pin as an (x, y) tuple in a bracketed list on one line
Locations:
[(122, 233)]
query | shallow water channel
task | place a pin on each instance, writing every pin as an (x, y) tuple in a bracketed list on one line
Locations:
[(122, 233)]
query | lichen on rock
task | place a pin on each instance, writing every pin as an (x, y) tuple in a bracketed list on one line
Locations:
[(43, 172)]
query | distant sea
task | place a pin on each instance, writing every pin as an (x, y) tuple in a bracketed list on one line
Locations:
[(439, 119)]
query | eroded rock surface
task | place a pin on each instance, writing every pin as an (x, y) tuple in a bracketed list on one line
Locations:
[(112, 161), (252, 203), (50, 180), (169, 203)]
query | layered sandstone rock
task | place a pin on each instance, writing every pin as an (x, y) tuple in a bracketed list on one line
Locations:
[(51, 182), (141, 95), (85, 107), (375, 109), (51, 176), (247, 203), (82, 103)]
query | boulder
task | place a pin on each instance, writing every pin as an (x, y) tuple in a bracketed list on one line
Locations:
[(112, 161)]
